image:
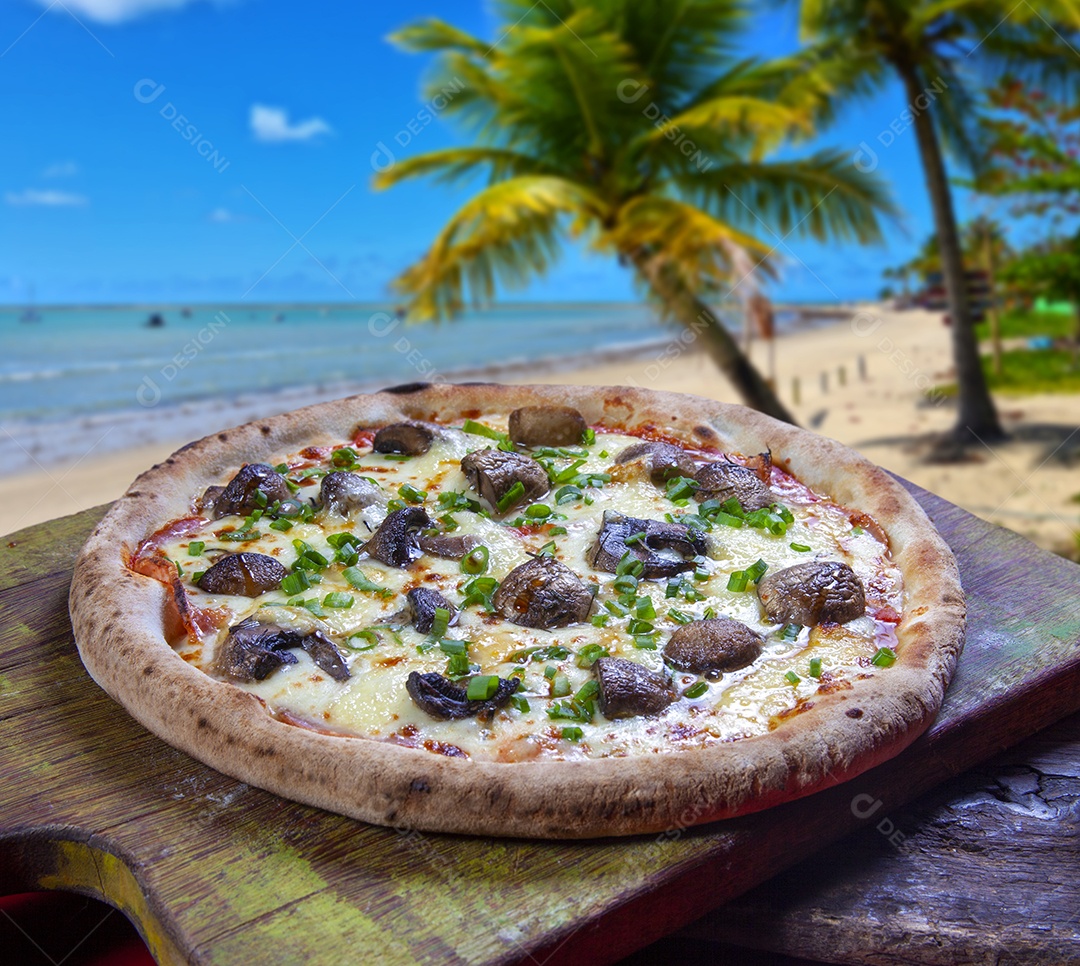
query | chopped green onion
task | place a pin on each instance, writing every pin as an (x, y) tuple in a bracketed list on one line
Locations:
[(710, 613), (260, 498), (792, 678), (696, 690), (857, 531), (557, 532), (511, 496), (629, 565), (737, 581), (197, 575), (885, 657), (365, 635), (565, 494), (800, 547), (756, 571), (520, 703), (449, 523), (591, 653), (645, 642), (626, 584), (195, 548), (550, 671), (410, 494), (790, 632), (538, 511), (475, 561), (344, 457), (635, 538), (295, 583), (457, 666), (282, 526), (616, 608), (547, 550), (815, 667), (440, 622), (448, 646), (589, 436), (339, 599), (679, 617), (482, 687), (599, 620), (474, 428), (681, 488), (357, 580), (560, 686), (573, 733), (644, 608)]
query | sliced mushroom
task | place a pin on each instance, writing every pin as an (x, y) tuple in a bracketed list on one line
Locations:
[(253, 650), (343, 493), (819, 592), (547, 426), (628, 688), (413, 439), (716, 644), (243, 574), (661, 461), (326, 656), (442, 698), (450, 548), (397, 541), (423, 602), (240, 496), (543, 593), (493, 473), (723, 481), (666, 549)]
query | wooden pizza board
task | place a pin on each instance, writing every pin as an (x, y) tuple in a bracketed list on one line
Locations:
[(215, 871)]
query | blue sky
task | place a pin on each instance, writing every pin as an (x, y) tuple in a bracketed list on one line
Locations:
[(280, 107)]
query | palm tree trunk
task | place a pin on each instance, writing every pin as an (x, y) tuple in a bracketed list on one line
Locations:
[(695, 315), (977, 416)]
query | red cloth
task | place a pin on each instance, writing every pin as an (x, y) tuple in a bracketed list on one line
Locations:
[(45, 928)]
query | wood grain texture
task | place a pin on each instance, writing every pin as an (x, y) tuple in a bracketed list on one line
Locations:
[(213, 871), (984, 869)]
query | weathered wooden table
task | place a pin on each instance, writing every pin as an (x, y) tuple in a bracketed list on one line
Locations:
[(214, 871)]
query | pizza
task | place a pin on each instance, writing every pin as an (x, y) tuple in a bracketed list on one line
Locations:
[(539, 611)]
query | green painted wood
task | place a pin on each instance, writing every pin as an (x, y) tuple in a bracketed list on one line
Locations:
[(214, 871)]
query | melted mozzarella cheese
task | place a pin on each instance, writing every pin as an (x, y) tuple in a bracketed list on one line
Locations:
[(374, 702)]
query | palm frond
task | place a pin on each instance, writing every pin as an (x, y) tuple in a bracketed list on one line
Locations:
[(451, 165), (823, 196), (506, 234), (433, 34)]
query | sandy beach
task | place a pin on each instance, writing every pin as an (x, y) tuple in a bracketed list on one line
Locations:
[(863, 381)]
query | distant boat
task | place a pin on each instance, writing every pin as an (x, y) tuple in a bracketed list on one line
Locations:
[(156, 321), (279, 316), (185, 313), (30, 314)]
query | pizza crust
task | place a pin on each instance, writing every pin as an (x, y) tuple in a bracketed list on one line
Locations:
[(117, 618)]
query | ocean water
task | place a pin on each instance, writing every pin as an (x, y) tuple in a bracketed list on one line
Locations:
[(71, 363)]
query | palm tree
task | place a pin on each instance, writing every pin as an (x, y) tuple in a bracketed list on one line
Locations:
[(935, 47), (629, 126)]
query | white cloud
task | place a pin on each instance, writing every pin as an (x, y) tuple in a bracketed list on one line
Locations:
[(272, 124), (113, 11), (49, 198), (62, 169)]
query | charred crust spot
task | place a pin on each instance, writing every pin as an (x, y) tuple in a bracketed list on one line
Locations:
[(131, 494), (854, 712), (407, 387), (704, 432), (148, 670), (265, 430), (265, 751), (223, 437), (419, 785), (202, 723)]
